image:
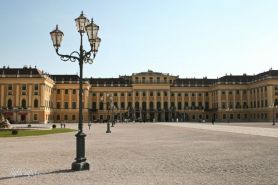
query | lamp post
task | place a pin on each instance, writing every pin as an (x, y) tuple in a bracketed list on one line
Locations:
[(273, 113), (83, 25), (228, 114), (111, 107)]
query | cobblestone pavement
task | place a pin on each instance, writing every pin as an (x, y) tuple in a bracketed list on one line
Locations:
[(142, 154)]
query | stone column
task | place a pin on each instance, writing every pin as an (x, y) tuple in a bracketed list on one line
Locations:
[(189, 99), (219, 99), (43, 95), (234, 98), (70, 98), (98, 100), (241, 98), (227, 99), (16, 103), (203, 99), (2, 96), (119, 101), (126, 102)]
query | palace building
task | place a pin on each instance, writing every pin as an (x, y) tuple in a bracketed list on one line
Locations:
[(28, 95)]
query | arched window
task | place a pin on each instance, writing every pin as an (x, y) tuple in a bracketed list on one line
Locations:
[(10, 104), (36, 103), (23, 103)]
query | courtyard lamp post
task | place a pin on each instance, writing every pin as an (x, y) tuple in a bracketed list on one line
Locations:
[(114, 109), (83, 26), (228, 113), (111, 104), (274, 106)]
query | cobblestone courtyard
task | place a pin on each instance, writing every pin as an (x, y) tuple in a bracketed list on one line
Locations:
[(147, 154)]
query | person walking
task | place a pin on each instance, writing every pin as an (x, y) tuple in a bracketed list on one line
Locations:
[(89, 125)]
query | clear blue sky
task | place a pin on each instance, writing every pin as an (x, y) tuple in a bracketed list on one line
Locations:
[(189, 38)]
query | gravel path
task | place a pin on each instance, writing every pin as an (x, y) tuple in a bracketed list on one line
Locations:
[(269, 132), (144, 154)]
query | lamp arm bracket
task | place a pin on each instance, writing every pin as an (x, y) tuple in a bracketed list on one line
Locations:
[(70, 57), (88, 59)]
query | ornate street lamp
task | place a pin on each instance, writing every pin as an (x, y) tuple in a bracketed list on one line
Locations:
[(83, 25)]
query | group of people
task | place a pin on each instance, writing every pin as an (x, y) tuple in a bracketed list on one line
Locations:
[(63, 125)]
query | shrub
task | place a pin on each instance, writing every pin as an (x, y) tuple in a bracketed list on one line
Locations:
[(54, 126), (29, 126), (14, 132)]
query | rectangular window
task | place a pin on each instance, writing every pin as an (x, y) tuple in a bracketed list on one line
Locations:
[(94, 106), (36, 87), (143, 79), (73, 91), (179, 105), (35, 117), (58, 105), (10, 87), (23, 87), (73, 117), (66, 91), (58, 91), (158, 79), (66, 105), (73, 105), (122, 105)]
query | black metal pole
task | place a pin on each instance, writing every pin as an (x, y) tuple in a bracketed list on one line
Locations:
[(80, 160), (108, 123), (273, 123)]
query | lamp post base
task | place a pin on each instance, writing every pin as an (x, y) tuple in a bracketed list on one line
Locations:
[(108, 128), (80, 166)]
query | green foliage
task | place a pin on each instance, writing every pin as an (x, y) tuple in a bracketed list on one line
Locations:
[(14, 132), (23, 133)]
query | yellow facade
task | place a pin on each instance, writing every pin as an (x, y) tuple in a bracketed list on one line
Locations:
[(29, 95)]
